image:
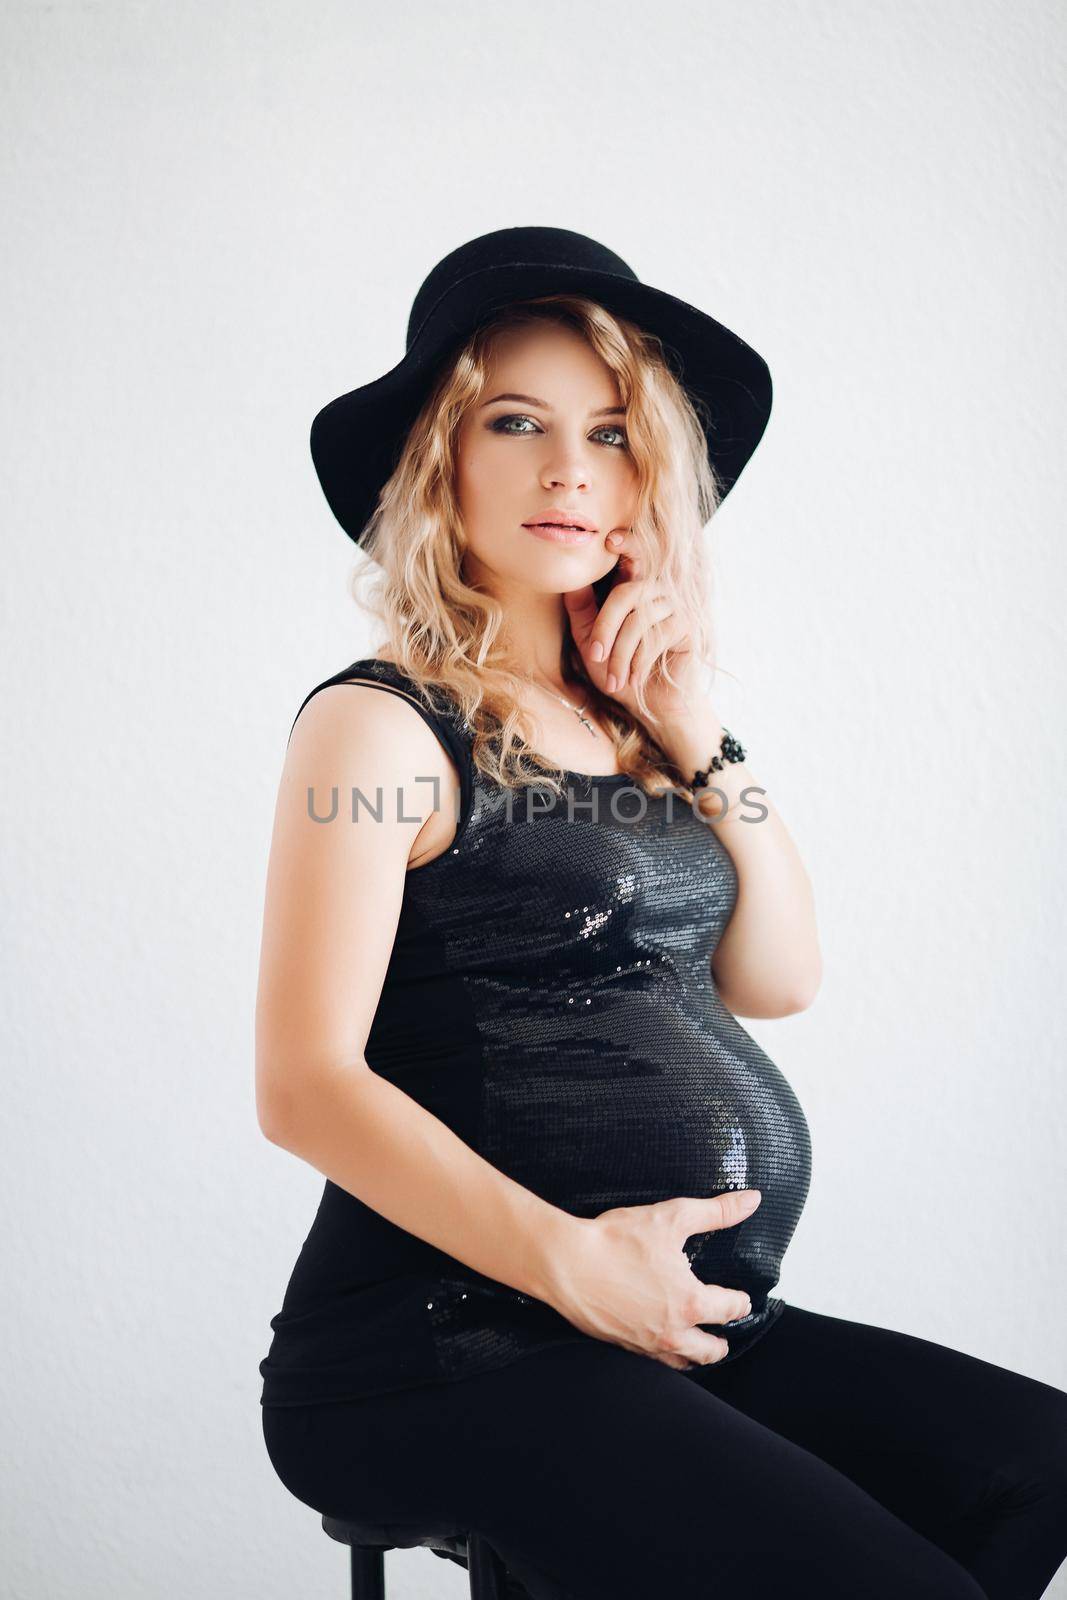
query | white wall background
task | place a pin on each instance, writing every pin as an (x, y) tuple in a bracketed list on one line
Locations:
[(216, 219)]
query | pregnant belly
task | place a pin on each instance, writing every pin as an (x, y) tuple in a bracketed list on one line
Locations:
[(677, 1105)]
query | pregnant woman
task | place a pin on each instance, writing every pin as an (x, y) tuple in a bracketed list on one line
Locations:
[(515, 905)]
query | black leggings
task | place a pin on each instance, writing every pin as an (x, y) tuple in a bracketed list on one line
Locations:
[(832, 1458)]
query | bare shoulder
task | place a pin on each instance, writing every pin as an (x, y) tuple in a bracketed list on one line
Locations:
[(353, 735)]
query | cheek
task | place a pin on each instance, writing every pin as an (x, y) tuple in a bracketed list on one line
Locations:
[(474, 474), (464, 470), (486, 481), (479, 499), (626, 475), (625, 492)]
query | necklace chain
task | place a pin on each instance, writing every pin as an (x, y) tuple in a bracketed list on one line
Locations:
[(579, 711)]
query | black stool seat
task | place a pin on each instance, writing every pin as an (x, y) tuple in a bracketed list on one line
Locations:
[(489, 1578)]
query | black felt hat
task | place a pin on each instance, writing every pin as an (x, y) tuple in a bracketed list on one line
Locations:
[(356, 439)]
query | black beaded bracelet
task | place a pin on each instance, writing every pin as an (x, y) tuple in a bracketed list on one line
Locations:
[(730, 750)]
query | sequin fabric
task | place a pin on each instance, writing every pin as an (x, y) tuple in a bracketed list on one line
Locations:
[(550, 997)]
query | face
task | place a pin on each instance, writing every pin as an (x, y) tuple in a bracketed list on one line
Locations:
[(556, 443)]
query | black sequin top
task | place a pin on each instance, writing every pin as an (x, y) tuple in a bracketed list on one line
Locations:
[(549, 996)]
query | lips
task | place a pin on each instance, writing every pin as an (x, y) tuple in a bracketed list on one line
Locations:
[(556, 518), (556, 534)]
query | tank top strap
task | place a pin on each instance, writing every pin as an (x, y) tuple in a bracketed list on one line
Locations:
[(433, 707)]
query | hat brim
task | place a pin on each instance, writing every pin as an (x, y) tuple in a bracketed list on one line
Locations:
[(356, 440)]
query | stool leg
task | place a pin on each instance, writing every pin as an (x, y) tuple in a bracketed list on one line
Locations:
[(368, 1573), (488, 1574)]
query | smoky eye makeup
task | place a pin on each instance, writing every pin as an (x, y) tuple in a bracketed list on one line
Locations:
[(497, 425)]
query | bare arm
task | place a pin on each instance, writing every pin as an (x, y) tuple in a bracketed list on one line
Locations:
[(334, 892), (768, 962)]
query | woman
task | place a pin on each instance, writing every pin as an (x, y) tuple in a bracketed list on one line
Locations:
[(515, 905)]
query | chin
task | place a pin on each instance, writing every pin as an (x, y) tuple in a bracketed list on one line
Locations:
[(560, 574), (547, 569)]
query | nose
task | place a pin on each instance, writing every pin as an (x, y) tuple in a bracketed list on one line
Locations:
[(569, 471)]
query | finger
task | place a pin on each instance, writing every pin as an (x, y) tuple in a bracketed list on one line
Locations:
[(621, 541), (707, 1215), (629, 640), (666, 1356), (618, 604), (668, 634), (703, 1348), (721, 1306), (582, 612)]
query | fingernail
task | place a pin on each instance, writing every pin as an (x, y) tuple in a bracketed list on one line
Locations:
[(597, 652), (611, 683), (751, 1199)]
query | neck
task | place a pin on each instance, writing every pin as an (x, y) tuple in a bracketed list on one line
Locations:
[(534, 638)]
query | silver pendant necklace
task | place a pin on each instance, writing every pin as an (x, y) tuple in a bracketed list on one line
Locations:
[(579, 711)]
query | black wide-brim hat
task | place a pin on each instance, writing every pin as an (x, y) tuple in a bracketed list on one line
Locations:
[(356, 440)]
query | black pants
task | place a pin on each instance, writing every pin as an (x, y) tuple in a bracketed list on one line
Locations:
[(833, 1458)]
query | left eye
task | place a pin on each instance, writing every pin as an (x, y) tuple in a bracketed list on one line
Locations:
[(618, 431)]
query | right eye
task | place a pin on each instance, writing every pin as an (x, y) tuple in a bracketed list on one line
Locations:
[(498, 425)]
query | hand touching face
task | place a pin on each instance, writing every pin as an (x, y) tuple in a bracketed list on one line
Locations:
[(616, 653)]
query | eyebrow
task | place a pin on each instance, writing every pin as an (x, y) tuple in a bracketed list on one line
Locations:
[(531, 400)]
